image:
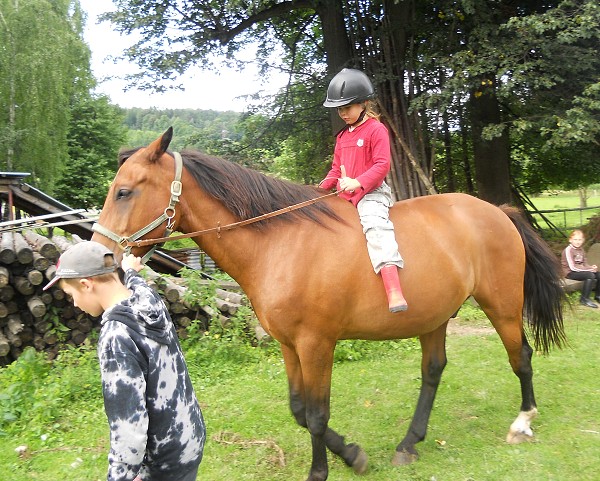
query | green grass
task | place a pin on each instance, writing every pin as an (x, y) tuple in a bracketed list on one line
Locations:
[(252, 436)]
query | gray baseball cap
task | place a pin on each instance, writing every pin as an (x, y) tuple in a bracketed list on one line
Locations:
[(85, 259)]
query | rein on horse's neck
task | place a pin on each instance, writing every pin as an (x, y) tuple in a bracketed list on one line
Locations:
[(219, 228)]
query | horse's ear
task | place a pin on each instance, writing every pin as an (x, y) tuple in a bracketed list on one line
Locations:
[(166, 139), (157, 148)]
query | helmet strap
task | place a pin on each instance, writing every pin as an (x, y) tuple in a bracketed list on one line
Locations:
[(360, 117)]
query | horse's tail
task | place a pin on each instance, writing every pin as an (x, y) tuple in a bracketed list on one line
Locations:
[(544, 295)]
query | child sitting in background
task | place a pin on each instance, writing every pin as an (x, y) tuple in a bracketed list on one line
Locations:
[(575, 266)]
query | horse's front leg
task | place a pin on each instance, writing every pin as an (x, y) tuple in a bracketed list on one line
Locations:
[(295, 385), (433, 362), (310, 407)]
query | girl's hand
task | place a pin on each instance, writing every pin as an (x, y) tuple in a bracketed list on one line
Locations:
[(130, 261), (347, 184)]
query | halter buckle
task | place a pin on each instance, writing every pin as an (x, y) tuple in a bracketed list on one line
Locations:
[(176, 188)]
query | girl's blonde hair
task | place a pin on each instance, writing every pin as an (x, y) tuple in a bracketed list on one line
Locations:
[(372, 109)]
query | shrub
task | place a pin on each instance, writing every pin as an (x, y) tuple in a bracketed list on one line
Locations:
[(36, 390)]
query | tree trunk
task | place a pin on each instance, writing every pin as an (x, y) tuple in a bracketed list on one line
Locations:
[(583, 197), (337, 47), (335, 39), (43, 245), (40, 263), (4, 345), (492, 157), (466, 163), (450, 184), (36, 306), (23, 250), (410, 172)]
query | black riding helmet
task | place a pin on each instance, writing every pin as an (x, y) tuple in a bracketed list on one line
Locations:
[(349, 86)]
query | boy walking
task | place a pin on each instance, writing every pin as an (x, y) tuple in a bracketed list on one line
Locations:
[(157, 432)]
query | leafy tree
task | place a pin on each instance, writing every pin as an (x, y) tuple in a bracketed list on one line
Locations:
[(225, 29), (533, 74), (96, 133), (206, 130), (448, 73), (563, 68), (43, 62)]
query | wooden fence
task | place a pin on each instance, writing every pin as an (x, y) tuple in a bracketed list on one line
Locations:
[(564, 220)]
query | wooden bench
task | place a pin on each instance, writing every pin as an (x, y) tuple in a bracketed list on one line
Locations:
[(593, 257)]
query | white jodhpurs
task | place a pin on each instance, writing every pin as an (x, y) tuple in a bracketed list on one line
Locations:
[(373, 210)]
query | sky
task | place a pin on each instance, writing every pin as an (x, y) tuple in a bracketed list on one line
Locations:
[(203, 90)]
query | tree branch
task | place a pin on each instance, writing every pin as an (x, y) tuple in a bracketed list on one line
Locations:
[(276, 10)]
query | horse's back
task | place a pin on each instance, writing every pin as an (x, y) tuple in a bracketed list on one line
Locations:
[(453, 246), (456, 242), (459, 224)]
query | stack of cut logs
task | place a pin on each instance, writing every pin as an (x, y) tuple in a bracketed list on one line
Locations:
[(48, 321)]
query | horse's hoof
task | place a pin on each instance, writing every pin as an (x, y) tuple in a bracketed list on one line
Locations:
[(402, 458), (518, 437), (359, 465)]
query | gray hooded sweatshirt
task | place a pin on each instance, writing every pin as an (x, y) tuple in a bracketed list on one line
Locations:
[(156, 427)]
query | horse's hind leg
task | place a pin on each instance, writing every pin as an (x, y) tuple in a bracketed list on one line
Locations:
[(352, 454), (508, 322), (433, 362), (520, 360)]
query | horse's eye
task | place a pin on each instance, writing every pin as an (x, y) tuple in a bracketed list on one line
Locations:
[(123, 193)]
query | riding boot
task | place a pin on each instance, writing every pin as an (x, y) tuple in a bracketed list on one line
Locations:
[(391, 282), (586, 290), (597, 298)]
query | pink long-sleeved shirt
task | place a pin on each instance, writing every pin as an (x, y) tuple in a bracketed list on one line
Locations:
[(365, 154)]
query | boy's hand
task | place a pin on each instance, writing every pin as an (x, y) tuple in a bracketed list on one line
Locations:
[(130, 261)]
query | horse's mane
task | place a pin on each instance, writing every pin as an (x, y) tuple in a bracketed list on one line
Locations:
[(247, 193)]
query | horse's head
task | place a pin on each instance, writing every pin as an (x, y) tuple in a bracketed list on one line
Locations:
[(142, 199)]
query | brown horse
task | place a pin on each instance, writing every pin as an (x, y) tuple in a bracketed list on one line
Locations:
[(454, 246)]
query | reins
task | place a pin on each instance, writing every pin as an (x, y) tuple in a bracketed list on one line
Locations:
[(127, 242), (219, 229)]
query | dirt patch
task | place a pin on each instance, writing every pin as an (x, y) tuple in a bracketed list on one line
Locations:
[(456, 328)]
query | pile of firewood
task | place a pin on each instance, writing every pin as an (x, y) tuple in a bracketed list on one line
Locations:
[(225, 304), (48, 321)]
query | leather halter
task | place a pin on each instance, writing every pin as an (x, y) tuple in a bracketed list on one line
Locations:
[(168, 216)]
